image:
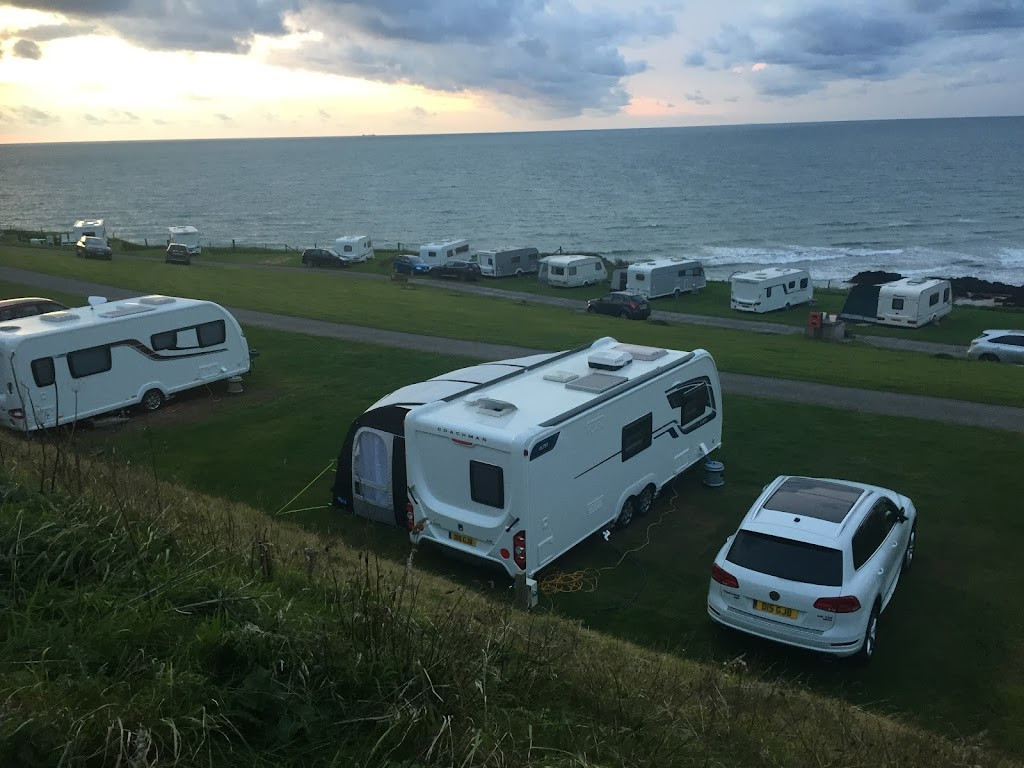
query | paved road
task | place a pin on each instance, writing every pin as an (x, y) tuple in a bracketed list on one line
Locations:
[(868, 401)]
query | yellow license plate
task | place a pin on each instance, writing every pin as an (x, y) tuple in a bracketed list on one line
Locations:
[(776, 610), (462, 538)]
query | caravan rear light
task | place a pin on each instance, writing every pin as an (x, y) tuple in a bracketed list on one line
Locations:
[(410, 516), (16, 413), (519, 549)]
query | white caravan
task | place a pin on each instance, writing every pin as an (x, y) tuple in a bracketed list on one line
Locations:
[(91, 227), (370, 476), (519, 470), (439, 254), (909, 302), (665, 277), (186, 235), (770, 288), (355, 248), (572, 270), (505, 262), (63, 366)]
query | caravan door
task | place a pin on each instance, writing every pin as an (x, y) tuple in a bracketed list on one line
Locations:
[(378, 476)]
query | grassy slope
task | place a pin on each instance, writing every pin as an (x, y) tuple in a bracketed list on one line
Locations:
[(447, 313), (147, 626), (266, 446)]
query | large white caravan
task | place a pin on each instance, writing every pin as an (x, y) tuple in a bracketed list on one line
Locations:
[(770, 288), (63, 366), (438, 254), (909, 302), (354, 248), (665, 277), (572, 270), (519, 470), (370, 476), (186, 235), (509, 261), (91, 227)]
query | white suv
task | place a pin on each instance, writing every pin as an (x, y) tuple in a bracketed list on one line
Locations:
[(813, 564)]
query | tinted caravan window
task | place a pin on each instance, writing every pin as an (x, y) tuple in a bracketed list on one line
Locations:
[(211, 333), (42, 371), (636, 436), (487, 484), (88, 362)]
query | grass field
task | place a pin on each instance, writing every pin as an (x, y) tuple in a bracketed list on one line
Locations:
[(950, 652), (436, 311)]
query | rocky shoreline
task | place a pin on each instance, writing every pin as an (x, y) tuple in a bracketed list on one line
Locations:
[(1002, 294)]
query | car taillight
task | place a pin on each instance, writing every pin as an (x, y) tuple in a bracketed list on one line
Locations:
[(632, 305), (723, 577), (16, 413), (519, 549), (844, 604), (410, 516)]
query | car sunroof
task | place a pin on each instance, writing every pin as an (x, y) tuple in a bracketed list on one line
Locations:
[(808, 497)]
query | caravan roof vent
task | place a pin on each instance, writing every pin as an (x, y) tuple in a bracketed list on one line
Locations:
[(638, 352), (917, 281), (126, 309), (596, 382), (561, 376), (156, 300), (491, 407), (9, 328), (58, 317), (609, 359)]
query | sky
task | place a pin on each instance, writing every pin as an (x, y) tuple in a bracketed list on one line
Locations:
[(110, 70)]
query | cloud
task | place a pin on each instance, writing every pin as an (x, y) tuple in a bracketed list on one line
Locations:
[(222, 116), (26, 49), (324, 114), (25, 114), (420, 113), (807, 48), (46, 32), (697, 98)]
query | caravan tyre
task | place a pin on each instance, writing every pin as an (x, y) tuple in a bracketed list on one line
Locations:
[(646, 502), (626, 515), (675, 293), (152, 400)]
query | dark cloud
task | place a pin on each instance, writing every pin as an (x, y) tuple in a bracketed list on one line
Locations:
[(26, 49), (25, 114), (697, 98), (806, 49), (46, 32)]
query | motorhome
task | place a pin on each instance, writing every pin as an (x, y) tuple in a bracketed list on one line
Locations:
[(771, 288), (59, 367), (91, 227), (665, 277), (572, 270), (909, 302), (438, 254), (370, 474), (506, 262), (355, 248), (517, 471), (186, 235)]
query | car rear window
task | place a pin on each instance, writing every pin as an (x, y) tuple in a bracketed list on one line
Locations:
[(787, 559)]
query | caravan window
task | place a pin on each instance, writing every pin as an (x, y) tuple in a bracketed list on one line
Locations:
[(211, 333), (515, 259), (639, 277), (636, 436), (348, 249), (897, 304), (572, 270), (933, 299), (792, 283), (696, 403), (42, 371), (803, 283), (768, 292), (205, 335), (163, 340), (432, 254), (945, 296), (558, 270), (487, 484), (462, 249), (597, 267), (88, 362)]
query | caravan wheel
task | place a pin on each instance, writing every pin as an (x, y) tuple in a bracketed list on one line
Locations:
[(675, 293), (626, 515), (152, 400), (646, 503)]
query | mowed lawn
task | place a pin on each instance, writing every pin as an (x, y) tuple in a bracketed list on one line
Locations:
[(950, 649), (435, 311)]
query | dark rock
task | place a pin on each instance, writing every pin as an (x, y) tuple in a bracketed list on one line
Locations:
[(876, 277)]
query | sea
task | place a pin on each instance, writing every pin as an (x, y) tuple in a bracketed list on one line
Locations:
[(942, 197)]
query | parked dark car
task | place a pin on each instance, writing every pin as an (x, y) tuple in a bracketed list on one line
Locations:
[(177, 253), (460, 270), (89, 247), (627, 304), (323, 257), (408, 264), (12, 309)]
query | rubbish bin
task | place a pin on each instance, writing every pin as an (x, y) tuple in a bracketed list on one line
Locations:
[(713, 471)]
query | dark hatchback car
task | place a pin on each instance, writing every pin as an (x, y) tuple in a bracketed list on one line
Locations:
[(406, 264), (627, 304), (460, 270), (12, 309), (177, 253), (323, 257), (89, 247)]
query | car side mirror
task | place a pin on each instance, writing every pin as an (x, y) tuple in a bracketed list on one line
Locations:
[(901, 516)]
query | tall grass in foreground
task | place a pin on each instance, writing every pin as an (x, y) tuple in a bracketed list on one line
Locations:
[(143, 625)]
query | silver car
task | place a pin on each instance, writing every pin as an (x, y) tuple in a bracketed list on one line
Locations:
[(998, 347)]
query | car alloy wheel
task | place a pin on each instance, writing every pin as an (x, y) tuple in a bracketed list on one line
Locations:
[(911, 550), (867, 649)]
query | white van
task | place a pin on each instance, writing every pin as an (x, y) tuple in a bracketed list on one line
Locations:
[(354, 248), (517, 471), (770, 288), (507, 262), (186, 235), (63, 366), (665, 277), (90, 227), (572, 270), (438, 254), (908, 303)]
